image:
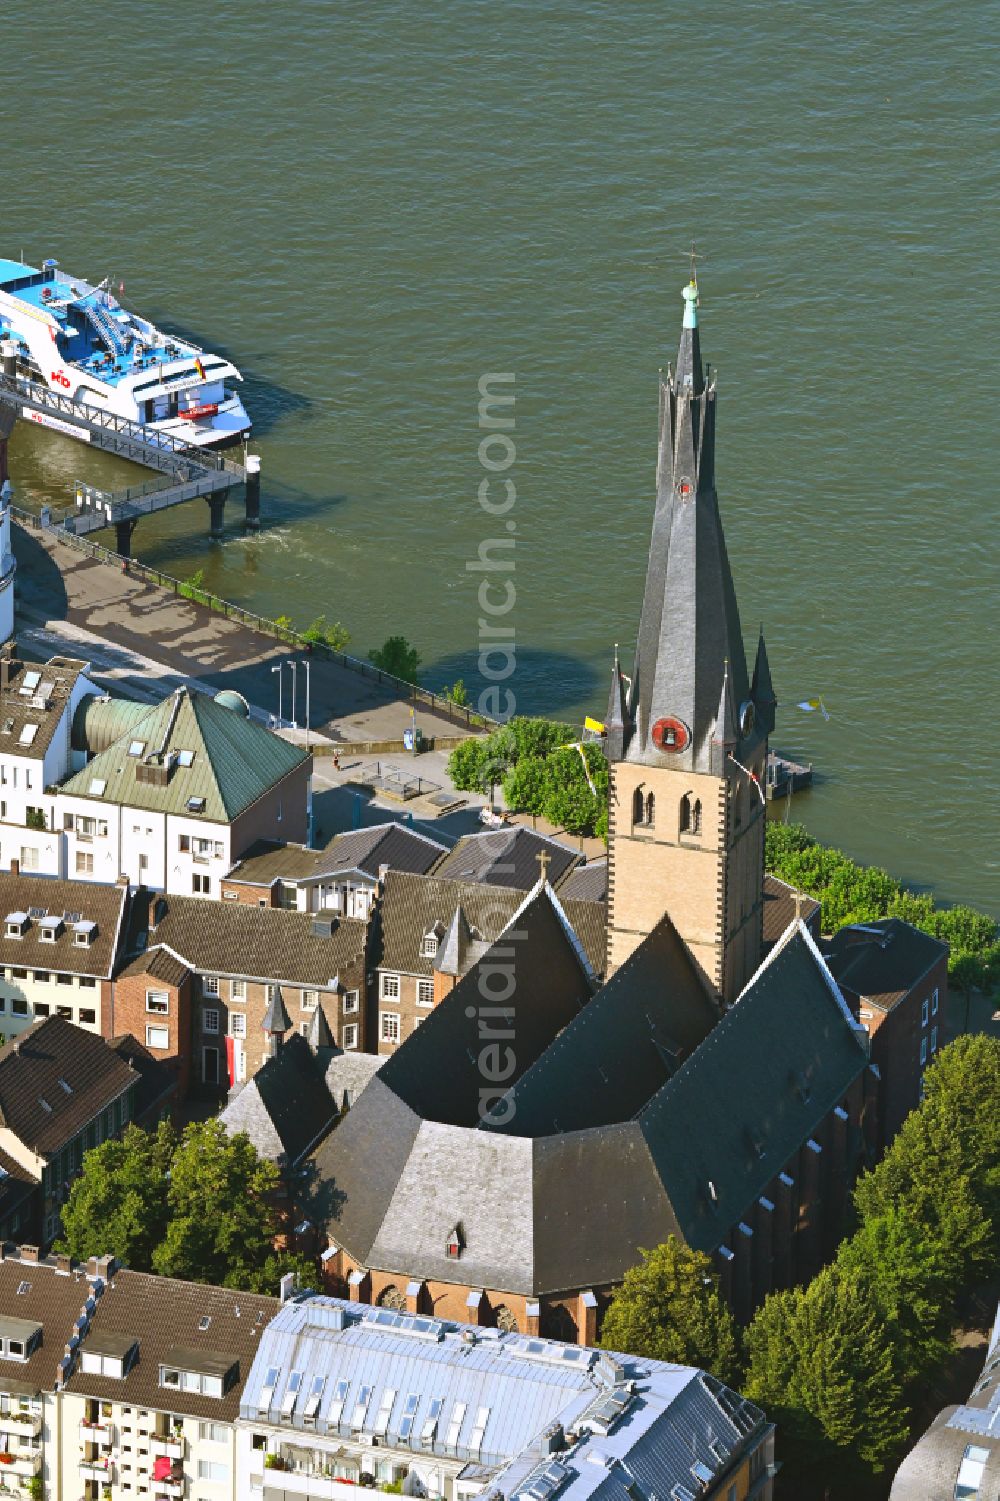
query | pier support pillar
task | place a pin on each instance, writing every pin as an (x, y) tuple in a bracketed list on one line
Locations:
[(217, 508), (123, 532), (8, 358), (252, 521), (8, 416)]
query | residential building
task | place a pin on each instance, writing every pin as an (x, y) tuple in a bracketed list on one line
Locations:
[(38, 702), (430, 931), (8, 563), (59, 948), (214, 983), (895, 979), (958, 1458), (343, 1396), (342, 877), (186, 791), (62, 1091)]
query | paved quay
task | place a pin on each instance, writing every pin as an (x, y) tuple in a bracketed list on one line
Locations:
[(130, 628)]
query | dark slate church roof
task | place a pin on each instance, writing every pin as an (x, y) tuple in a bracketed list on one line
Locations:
[(507, 857), (286, 1107), (562, 1193), (883, 960)]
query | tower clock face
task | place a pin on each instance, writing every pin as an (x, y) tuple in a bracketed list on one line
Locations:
[(671, 735)]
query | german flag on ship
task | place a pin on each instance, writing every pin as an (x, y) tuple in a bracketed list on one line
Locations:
[(200, 368)]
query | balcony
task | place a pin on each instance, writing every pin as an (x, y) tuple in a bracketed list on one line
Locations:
[(167, 1490), (98, 1469), (22, 1463), (21, 1423), (169, 1445), (100, 1431)]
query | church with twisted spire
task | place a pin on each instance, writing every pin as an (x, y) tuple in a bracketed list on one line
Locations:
[(687, 735)]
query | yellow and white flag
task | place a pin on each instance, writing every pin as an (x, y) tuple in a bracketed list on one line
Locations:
[(810, 705)]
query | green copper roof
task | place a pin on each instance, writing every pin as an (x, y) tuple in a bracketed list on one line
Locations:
[(188, 747)]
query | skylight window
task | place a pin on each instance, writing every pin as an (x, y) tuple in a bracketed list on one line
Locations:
[(22, 1288), (8, 727), (196, 805), (429, 1430), (267, 1390), (37, 912), (29, 683), (65, 1085), (312, 1404), (336, 1412), (361, 1407), (409, 1413), (27, 735), (479, 1429), (702, 1473), (45, 1104), (384, 1410), (185, 758), (455, 1426), (204, 1322), (136, 747), (98, 786), (291, 1393)]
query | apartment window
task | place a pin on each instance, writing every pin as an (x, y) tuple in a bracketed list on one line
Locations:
[(425, 992), (429, 946), (19, 1007), (923, 1050), (925, 1012), (210, 1019), (238, 1024), (389, 1026), (158, 1001), (934, 1035), (184, 843), (29, 858), (310, 1000), (201, 885), (390, 988), (238, 990), (352, 1002), (84, 862), (64, 979), (87, 981), (88, 1017), (143, 864), (213, 1469), (42, 1008), (350, 1035), (934, 1003), (213, 1433), (41, 976), (157, 1037), (210, 984)]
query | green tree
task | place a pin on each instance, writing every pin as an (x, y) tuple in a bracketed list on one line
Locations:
[(466, 764), (457, 694), (900, 1268), (397, 657), (222, 1215), (669, 1308), (526, 787), (820, 1362), (571, 804), (119, 1202), (336, 636)]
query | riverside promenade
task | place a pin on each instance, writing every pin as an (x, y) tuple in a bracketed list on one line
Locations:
[(133, 630)]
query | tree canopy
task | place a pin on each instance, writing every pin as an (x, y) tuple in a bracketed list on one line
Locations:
[(397, 657), (200, 1207), (853, 893), (540, 774), (669, 1308)]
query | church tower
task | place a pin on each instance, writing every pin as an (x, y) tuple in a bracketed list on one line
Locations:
[(688, 742)]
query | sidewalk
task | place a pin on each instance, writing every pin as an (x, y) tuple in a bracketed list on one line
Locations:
[(133, 629)]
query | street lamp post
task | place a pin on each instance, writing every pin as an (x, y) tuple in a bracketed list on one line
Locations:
[(277, 669), (306, 664), (295, 722)]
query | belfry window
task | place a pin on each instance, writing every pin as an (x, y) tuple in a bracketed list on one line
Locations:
[(690, 816), (643, 809), (638, 806), (650, 810)]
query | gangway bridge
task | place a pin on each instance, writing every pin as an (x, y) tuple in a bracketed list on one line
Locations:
[(183, 473)]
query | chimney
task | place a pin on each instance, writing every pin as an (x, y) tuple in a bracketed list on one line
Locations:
[(286, 1286), (64, 1263), (15, 867), (28, 1253)]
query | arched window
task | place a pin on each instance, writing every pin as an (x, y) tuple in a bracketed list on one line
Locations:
[(391, 1297), (696, 816), (685, 814), (650, 809), (638, 806)]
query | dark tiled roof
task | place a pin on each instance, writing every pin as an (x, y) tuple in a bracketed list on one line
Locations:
[(103, 905), (883, 960), (437, 1070), (590, 923), (164, 1314), (159, 964), (364, 850), (413, 905), (507, 857), (233, 938), (651, 1015), (586, 883), (18, 708), (53, 1299), (16, 1185), (34, 1105), (779, 910), (286, 1107)]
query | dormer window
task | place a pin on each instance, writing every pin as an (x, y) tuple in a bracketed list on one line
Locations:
[(201, 1372), (50, 928), (108, 1354), (16, 924), (429, 945), (84, 934), (19, 1338)]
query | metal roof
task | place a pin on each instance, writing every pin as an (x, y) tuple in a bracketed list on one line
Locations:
[(337, 1370)]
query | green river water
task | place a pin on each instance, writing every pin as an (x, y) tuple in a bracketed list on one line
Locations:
[(370, 205)]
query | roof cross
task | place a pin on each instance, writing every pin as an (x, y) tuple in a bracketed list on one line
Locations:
[(694, 255), (543, 857)]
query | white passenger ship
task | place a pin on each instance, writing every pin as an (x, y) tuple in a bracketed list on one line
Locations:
[(78, 340)]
